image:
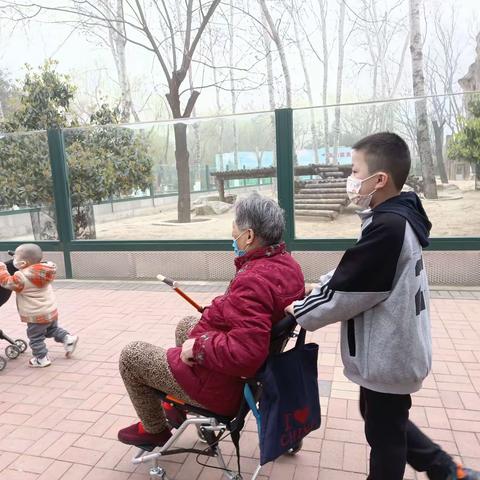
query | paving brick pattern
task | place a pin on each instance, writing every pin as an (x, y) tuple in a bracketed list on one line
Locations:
[(61, 422)]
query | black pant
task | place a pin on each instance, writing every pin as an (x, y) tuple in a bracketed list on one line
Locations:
[(396, 441)]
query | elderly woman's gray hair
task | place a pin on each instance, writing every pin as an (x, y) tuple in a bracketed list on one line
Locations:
[(262, 215)]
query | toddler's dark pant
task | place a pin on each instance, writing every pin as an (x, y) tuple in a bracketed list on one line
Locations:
[(37, 332), (396, 441)]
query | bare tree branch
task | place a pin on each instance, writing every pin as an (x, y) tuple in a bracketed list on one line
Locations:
[(170, 28), (188, 55), (149, 35)]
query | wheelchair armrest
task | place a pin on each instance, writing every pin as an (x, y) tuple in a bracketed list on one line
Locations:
[(281, 332), (284, 326)]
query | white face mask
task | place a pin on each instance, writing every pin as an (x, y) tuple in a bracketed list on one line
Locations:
[(353, 187), (18, 264)]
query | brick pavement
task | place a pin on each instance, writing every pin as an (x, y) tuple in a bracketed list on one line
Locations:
[(61, 422)]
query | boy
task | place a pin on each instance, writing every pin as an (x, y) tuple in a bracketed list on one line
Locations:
[(36, 301), (379, 292)]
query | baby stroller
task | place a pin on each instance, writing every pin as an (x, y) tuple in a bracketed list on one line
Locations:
[(17, 346)]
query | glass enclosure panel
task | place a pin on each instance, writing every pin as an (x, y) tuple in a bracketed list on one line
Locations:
[(27, 207), (178, 180), (127, 184), (322, 208)]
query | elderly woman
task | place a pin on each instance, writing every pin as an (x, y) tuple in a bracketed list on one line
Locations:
[(231, 339)]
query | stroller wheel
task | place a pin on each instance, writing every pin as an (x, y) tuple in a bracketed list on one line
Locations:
[(12, 351), (295, 449), (3, 363), (21, 344)]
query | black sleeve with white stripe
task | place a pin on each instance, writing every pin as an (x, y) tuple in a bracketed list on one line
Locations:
[(363, 278)]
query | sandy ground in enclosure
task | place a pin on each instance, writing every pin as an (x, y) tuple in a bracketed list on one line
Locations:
[(450, 215)]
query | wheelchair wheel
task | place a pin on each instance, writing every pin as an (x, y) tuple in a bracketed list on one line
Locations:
[(295, 449), (158, 473), (3, 363), (12, 352), (21, 344)]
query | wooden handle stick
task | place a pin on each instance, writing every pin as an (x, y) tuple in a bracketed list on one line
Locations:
[(174, 285)]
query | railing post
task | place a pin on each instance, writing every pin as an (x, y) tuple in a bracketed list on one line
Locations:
[(61, 193), (285, 183)]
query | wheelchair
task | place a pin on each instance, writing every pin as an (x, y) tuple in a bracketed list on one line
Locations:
[(211, 427)]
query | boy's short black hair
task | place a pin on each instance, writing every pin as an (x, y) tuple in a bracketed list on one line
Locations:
[(386, 151)]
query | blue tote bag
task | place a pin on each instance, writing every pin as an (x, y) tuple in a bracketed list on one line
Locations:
[(289, 405)]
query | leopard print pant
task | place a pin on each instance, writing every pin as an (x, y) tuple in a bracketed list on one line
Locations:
[(144, 369), (184, 327)]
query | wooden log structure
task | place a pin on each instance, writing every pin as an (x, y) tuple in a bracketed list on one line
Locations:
[(340, 171)]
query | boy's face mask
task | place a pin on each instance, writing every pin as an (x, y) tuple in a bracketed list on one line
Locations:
[(354, 186)]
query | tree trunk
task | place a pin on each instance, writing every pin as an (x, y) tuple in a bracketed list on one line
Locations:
[(35, 221), (370, 37), (166, 151), (117, 44), (43, 224), (271, 92), (281, 52), (84, 222), (173, 97), (268, 57), (338, 95), (234, 124), (438, 132), (219, 106), (476, 169), (183, 172), (259, 156), (423, 137), (424, 148), (181, 146), (323, 16), (232, 91), (308, 86), (196, 132)]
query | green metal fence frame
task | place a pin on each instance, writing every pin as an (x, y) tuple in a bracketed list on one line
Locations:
[(285, 185)]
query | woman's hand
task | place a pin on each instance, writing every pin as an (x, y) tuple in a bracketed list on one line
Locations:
[(186, 355)]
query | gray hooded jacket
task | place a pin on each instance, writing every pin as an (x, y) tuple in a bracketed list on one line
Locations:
[(379, 292)]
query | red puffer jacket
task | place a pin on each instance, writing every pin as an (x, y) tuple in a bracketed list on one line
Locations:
[(233, 335)]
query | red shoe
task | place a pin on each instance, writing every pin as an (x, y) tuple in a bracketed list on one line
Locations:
[(136, 435), (174, 416)]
